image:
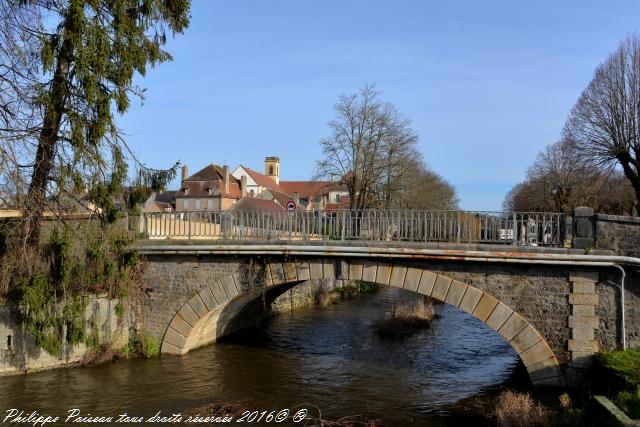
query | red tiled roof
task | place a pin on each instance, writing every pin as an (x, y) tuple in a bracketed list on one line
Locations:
[(280, 198), (156, 206), (210, 176), (263, 180), (344, 203), (307, 189), (252, 203)]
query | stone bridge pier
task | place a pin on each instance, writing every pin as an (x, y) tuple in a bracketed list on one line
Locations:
[(555, 308)]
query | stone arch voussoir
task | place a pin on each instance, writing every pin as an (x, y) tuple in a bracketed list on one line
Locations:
[(194, 323)]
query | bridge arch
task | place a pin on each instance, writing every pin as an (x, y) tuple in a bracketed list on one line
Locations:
[(206, 316)]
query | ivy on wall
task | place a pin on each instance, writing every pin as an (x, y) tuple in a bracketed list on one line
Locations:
[(75, 264)]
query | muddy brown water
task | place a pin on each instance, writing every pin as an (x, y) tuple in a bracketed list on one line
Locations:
[(327, 360)]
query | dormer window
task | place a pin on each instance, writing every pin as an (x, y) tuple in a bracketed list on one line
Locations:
[(186, 191), (210, 191)]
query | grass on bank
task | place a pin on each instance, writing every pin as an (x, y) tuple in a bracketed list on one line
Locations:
[(139, 345), (357, 288), (326, 296), (626, 365)]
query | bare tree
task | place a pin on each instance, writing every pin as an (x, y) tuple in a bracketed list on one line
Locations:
[(397, 152), (604, 121), (369, 141), (559, 180), (19, 88), (418, 187)]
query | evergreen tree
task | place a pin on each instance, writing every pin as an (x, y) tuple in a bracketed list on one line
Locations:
[(89, 53)]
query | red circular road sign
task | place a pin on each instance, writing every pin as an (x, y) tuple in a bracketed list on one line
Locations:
[(291, 205)]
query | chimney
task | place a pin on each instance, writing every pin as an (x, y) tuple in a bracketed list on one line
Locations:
[(243, 186), (296, 198), (185, 172), (225, 178)]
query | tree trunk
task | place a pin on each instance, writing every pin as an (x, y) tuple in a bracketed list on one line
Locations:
[(43, 165), (626, 161)]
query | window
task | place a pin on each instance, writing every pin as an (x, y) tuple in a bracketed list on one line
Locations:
[(337, 198), (185, 204), (210, 204), (271, 170), (197, 203), (186, 191), (211, 191), (252, 193)]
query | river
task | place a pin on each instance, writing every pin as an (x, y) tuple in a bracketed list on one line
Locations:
[(329, 359)]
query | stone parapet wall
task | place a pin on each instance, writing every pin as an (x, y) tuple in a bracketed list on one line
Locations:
[(620, 234)]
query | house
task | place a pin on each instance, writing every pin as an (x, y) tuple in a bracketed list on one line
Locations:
[(214, 188), (308, 195), (318, 195), (160, 202), (211, 188), (258, 182)]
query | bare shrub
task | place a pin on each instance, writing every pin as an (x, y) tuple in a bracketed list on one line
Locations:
[(407, 310), (565, 401), (515, 409), (102, 354), (406, 318)]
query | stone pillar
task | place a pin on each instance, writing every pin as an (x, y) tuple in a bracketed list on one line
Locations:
[(583, 225), (568, 232), (583, 322)]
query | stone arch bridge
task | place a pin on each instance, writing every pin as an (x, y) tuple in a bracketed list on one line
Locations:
[(555, 307)]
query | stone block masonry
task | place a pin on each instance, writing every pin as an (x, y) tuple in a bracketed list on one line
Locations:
[(582, 322)]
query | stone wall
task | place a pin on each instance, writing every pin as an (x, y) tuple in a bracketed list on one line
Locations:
[(620, 234), (299, 297), (19, 354), (172, 280)]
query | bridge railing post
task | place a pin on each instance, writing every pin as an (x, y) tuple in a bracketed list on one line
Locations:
[(514, 229)]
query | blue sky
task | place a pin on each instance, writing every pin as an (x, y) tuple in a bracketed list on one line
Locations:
[(486, 84)]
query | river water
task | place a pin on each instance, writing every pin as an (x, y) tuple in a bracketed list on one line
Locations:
[(328, 359)]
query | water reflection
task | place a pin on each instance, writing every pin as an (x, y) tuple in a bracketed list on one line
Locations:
[(329, 358)]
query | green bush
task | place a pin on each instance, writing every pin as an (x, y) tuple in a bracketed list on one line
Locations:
[(629, 402), (367, 287), (358, 287), (140, 345), (119, 310)]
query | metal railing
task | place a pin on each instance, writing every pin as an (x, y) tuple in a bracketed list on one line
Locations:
[(527, 228)]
